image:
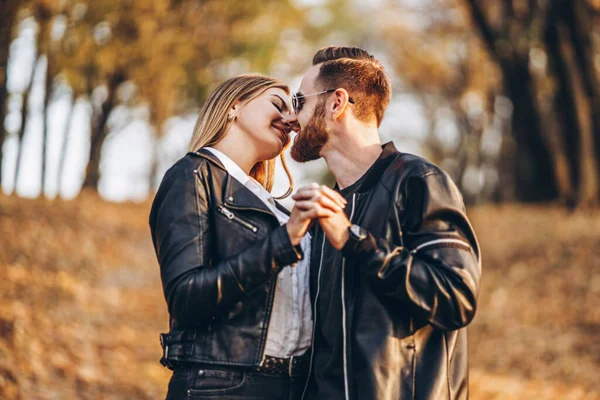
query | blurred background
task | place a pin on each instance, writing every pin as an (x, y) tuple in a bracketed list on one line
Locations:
[(98, 98)]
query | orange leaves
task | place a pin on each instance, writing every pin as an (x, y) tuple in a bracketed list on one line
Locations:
[(74, 277), (81, 304)]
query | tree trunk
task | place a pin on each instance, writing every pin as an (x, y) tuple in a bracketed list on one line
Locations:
[(100, 132), (534, 168), (8, 13), (24, 120), (587, 190), (44, 16), (587, 94), (64, 147), (564, 108), (153, 170), (49, 84)]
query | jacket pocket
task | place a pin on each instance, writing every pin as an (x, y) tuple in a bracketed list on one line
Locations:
[(230, 215)]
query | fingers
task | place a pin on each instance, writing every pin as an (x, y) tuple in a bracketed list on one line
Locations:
[(322, 194), (306, 189), (311, 209), (333, 195), (324, 201)]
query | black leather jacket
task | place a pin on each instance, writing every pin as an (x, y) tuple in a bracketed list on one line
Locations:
[(407, 291), (219, 249)]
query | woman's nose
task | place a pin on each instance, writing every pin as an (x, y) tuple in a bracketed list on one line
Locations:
[(290, 118), (292, 121)]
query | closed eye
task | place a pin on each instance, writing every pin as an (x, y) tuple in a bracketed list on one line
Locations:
[(280, 104)]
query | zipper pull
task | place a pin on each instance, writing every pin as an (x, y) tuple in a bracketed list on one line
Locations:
[(226, 212), (262, 361)]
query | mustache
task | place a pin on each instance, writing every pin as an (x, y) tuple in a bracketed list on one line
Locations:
[(311, 139)]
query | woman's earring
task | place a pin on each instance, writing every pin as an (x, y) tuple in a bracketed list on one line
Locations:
[(231, 117)]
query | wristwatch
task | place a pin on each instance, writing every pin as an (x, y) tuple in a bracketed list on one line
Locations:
[(356, 235)]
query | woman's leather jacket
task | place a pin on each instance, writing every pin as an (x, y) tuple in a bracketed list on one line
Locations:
[(219, 248)]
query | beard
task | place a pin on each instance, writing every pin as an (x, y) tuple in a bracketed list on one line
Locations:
[(311, 139)]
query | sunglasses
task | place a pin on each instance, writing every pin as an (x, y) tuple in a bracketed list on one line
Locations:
[(298, 102)]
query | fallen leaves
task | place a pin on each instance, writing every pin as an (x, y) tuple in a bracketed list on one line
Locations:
[(81, 304)]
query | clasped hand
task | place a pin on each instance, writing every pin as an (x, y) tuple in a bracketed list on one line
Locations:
[(323, 204)]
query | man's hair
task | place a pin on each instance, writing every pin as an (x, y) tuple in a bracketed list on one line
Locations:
[(361, 74)]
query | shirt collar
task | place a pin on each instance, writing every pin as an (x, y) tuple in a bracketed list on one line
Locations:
[(235, 171)]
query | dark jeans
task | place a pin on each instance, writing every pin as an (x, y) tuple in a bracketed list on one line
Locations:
[(198, 382)]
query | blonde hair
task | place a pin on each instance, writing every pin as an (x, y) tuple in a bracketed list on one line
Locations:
[(213, 123)]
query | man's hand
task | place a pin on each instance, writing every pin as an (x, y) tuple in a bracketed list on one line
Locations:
[(334, 222), (336, 229), (312, 204)]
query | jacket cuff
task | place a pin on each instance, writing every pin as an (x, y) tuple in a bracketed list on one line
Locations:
[(284, 253), (360, 251)]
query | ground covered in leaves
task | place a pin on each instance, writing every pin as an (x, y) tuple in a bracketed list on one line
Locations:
[(81, 305)]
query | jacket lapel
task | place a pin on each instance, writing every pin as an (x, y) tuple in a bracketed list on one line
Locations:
[(235, 194)]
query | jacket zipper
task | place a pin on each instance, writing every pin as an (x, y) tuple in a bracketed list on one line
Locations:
[(344, 329), (232, 217), (264, 349), (440, 241), (312, 345)]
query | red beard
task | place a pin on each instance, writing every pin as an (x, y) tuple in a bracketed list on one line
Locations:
[(311, 139)]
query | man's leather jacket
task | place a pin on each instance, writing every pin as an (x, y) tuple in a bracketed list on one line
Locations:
[(407, 291), (219, 248)]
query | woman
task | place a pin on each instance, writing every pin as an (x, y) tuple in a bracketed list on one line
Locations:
[(234, 272)]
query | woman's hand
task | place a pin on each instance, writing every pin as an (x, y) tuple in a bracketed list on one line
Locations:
[(312, 201)]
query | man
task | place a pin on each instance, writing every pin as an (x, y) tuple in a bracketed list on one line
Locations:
[(394, 276)]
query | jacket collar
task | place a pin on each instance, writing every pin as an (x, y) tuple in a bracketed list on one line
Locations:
[(282, 208), (235, 194), (375, 171), (388, 154), (210, 157), (388, 150)]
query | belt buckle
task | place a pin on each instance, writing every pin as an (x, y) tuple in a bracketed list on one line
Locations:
[(290, 366)]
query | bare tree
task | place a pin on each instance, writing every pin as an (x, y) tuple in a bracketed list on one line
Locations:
[(8, 14), (556, 147)]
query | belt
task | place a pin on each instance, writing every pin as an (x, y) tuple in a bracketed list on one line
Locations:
[(292, 367)]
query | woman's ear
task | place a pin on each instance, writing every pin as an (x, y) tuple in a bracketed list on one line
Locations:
[(232, 114)]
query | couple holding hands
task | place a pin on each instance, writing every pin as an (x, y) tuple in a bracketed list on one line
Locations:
[(362, 291)]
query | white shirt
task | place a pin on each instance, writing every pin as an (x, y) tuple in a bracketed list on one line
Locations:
[(290, 327)]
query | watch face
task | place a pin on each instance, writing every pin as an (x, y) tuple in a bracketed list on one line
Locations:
[(358, 232)]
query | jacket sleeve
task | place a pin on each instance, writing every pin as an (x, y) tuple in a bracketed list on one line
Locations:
[(196, 286), (436, 271)]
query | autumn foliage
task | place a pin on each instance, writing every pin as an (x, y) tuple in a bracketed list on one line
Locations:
[(81, 305)]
